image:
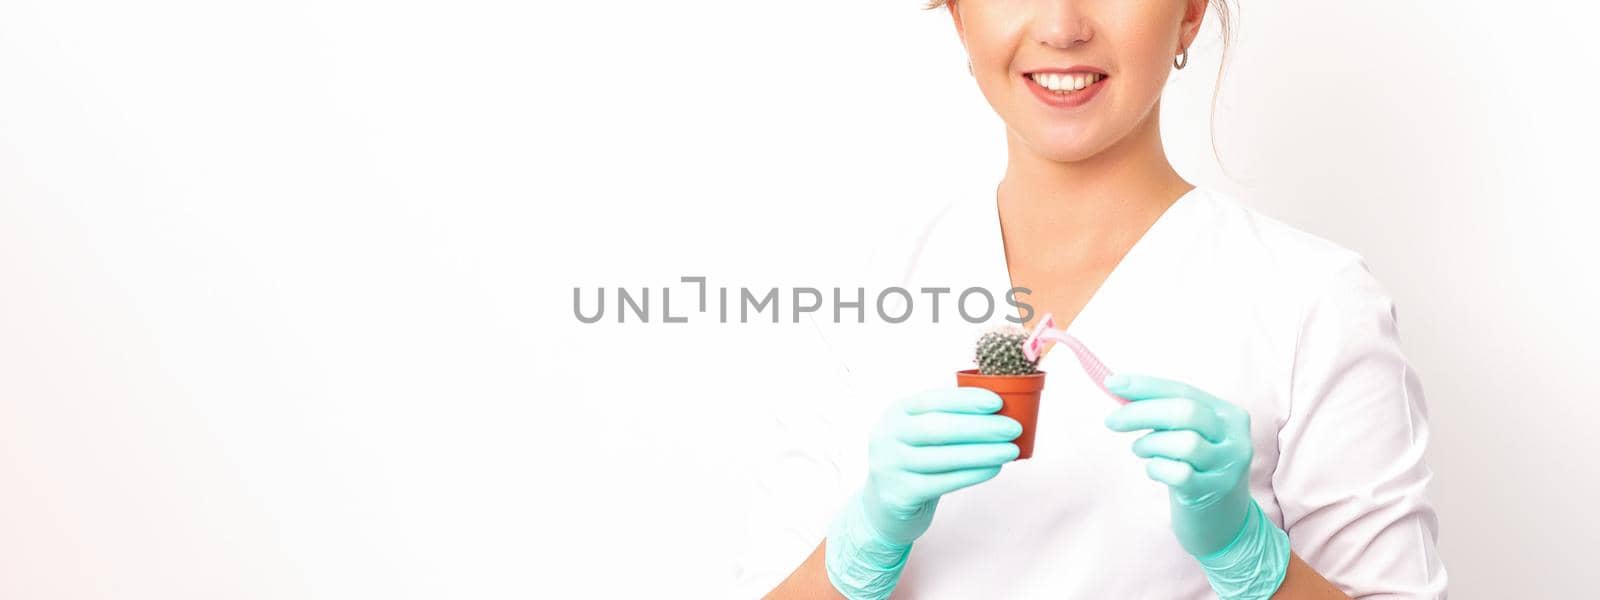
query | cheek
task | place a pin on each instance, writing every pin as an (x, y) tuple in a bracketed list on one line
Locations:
[(993, 33), (1143, 79), (1145, 85)]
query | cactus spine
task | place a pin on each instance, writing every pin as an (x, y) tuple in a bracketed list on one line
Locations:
[(1000, 353)]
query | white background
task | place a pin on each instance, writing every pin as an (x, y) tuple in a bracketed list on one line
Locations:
[(285, 287)]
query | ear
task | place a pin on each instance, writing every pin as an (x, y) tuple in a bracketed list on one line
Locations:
[(1193, 15)]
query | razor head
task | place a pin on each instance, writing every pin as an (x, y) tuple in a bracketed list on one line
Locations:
[(1033, 347)]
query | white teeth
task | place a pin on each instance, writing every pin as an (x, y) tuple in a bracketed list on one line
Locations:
[(1057, 82)]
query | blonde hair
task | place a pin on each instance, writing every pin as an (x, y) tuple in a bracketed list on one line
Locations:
[(1224, 22)]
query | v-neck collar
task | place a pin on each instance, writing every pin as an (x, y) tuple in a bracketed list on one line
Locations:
[(1140, 259)]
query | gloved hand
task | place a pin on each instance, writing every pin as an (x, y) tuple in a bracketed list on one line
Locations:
[(1201, 450), (924, 447)]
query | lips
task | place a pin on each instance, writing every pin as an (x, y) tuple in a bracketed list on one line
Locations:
[(1066, 88)]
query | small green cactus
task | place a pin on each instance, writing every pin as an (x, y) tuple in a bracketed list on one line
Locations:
[(1000, 352)]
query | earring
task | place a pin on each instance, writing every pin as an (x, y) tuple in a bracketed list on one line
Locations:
[(1182, 60), (969, 69)]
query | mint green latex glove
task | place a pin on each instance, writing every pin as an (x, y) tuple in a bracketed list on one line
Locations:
[(924, 447), (1200, 448)]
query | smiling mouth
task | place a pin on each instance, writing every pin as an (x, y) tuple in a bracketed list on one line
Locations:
[(1066, 84)]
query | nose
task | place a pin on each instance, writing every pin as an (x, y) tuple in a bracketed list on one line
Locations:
[(1061, 24)]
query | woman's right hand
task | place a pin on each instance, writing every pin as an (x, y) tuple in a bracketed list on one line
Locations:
[(925, 446), (929, 445)]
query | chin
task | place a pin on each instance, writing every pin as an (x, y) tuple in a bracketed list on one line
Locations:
[(1065, 144)]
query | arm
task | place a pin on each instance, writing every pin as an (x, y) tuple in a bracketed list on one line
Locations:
[(809, 581), (1350, 479), (1303, 583)]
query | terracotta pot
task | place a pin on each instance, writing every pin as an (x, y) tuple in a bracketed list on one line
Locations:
[(1020, 394)]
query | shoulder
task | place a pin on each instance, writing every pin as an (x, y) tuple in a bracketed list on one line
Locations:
[(1267, 244), (1267, 254)]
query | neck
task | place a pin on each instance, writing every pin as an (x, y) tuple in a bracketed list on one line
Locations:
[(1095, 204)]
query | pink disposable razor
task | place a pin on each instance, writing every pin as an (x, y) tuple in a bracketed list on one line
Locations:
[(1045, 331)]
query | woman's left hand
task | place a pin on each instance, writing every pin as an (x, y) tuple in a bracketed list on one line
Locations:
[(1200, 448)]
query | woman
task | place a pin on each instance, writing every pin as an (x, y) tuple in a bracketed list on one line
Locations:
[(1281, 420)]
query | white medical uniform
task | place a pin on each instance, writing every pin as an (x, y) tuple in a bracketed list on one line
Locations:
[(1287, 325)]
